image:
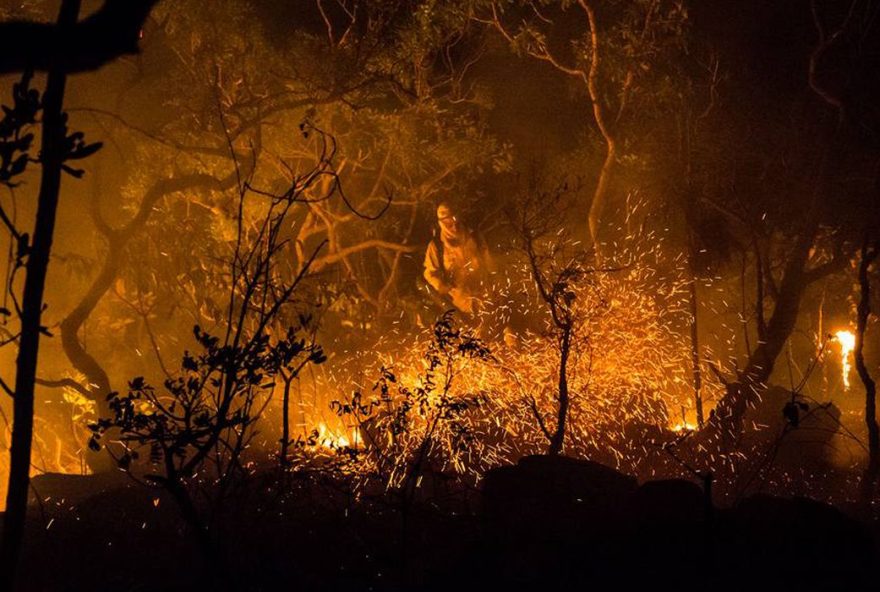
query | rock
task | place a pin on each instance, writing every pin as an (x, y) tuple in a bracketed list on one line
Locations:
[(670, 527), (796, 542), (669, 504), (552, 521), (73, 489), (554, 497)]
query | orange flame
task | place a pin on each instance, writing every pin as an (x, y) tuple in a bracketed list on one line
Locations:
[(329, 439), (847, 340)]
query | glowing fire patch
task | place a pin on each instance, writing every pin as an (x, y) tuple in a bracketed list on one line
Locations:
[(847, 340), (330, 440)]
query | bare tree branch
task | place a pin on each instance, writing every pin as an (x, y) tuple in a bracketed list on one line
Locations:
[(65, 382)]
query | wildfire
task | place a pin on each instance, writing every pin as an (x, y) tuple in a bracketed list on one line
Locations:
[(847, 340), (331, 440), (685, 426), (627, 368)]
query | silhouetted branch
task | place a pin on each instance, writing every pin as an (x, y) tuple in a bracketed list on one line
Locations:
[(6, 389), (837, 262), (368, 244), (826, 41), (109, 33), (65, 383), (717, 372)]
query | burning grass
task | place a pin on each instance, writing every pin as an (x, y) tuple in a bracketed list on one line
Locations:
[(470, 394), (628, 376)]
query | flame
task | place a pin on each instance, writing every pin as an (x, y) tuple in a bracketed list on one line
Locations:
[(333, 441), (628, 358), (847, 340)]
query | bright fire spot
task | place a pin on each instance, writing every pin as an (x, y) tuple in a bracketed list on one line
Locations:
[(329, 439), (847, 340), (684, 427)]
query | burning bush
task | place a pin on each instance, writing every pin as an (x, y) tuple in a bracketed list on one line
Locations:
[(413, 425)]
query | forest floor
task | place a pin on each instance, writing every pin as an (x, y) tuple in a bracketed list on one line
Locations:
[(541, 524)]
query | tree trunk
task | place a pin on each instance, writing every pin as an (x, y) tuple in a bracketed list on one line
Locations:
[(217, 573), (863, 311), (600, 196), (695, 342), (558, 438), (726, 421), (97, 381), (117, 242), (52, 157), (601, 117), (285, 421)]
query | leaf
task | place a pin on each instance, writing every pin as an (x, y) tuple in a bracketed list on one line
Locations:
[(189, 363), (19, 165), (84, 151), (78, 173)]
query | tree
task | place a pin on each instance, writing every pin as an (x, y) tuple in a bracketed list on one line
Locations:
[(683, 181), (794, 248), (204, 420), (585, 311), (616, 61), (553, 270), (417, 134), (54, 48), (57, 148), (869, 252), (360, 87)]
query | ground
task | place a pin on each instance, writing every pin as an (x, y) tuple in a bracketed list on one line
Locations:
[(541, 524)]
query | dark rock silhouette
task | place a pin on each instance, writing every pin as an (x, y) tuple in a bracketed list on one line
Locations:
[(546, 523), (559, 522), (553, 497)]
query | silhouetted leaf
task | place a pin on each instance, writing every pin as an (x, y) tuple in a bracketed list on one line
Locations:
[(19, 165), (84, 151), (78, 173)]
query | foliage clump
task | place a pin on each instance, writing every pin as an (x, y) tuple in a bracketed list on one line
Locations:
[(208, 408)]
